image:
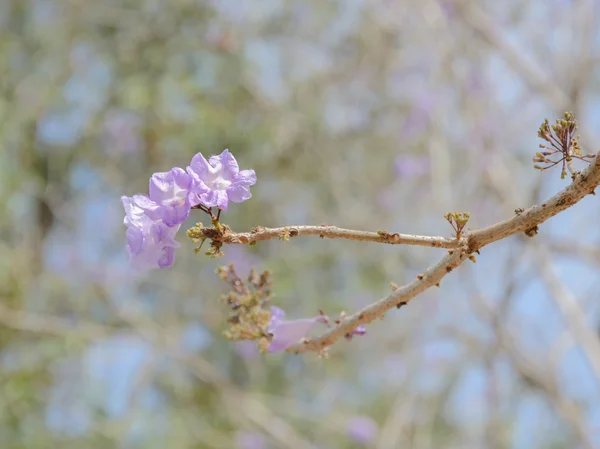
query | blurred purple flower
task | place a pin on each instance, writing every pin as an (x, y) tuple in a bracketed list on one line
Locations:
[(250, 440), (362, 430), (172, 191), (288, 333), (408, 166), (219, 180), (448, 8), (122, 132), (150, 243), (360, 330), (419, 117)]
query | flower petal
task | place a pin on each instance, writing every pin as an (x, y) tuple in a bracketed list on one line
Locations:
[(171, 191), (238, 193), (246, 178), (219, 180), (136, 207), (288, 333), (168, 258), (151, 244), (135, 239), (228, 163), (200, 167), (277, 315)]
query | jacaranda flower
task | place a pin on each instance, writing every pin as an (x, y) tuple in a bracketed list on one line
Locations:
[(219, 180), (172, 192), (135, 208), (152, 221), (150, 243), (288, 333)]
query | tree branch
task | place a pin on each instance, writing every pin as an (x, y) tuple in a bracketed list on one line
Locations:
[(583, 184), (333, 232)]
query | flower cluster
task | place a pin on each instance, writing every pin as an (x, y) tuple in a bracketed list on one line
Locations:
[(247, 299), (252, 318), (153, 220), (458, 221)]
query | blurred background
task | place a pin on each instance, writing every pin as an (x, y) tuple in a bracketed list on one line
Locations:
[(367, 114)]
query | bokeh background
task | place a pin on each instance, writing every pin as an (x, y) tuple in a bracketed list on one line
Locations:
[(367, 114)]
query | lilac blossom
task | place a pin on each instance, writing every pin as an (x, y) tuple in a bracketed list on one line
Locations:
[(219, 180), (172, 192), (362, 430), (288, 333)]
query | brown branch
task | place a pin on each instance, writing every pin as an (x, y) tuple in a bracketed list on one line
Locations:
[(400, 296), (332, 232), (582, 185)]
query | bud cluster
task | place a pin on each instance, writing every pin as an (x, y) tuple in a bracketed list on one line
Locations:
[(458, 220), (250, 316), (562, 146)]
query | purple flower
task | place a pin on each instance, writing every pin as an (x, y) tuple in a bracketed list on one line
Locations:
[(408, 166), (136, 208), (152, 221), (360, 330), (122, 132), (172, 192), (288, 333), (363, 430), (219, 180), (150, 243)]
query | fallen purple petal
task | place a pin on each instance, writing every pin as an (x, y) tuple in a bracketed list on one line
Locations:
[(288, 333)]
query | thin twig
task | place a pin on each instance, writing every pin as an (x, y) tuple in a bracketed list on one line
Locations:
[(333, 232), (400, 296)]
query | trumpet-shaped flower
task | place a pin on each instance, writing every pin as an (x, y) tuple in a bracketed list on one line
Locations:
[(219, 180), (136, 207), (152, 221), (150, 243), (172, 192), (288, 333)]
